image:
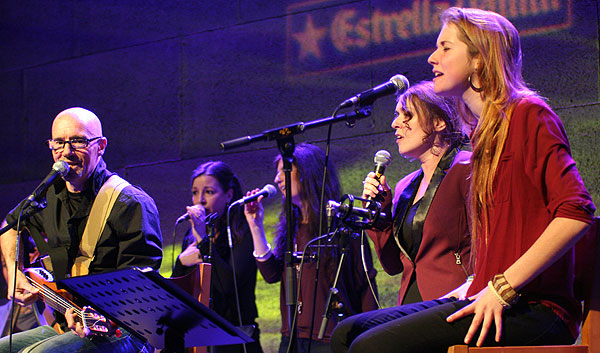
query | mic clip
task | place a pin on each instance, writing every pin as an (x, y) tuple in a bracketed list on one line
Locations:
[(365, 110), (211, 218), (210, 224), (297, 257), (354, 217), (337, 304), (37, 205)]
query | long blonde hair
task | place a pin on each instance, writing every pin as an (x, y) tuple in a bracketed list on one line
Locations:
[(495, 41)]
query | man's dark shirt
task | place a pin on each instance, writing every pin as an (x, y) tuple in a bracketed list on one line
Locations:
[(131, 236)]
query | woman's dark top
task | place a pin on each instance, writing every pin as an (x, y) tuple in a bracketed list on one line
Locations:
[(411, 241), (222, 290)]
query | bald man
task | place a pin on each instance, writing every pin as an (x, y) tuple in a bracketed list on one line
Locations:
[(131, 236)]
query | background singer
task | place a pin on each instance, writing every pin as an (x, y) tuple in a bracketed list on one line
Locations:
[(307, 175), (214, 187)]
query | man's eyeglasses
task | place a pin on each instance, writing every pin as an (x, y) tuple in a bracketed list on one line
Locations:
[(76, 143)]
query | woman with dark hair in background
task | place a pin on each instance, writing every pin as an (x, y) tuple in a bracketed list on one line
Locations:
[(527, 202), (307, 177), (214, 187)]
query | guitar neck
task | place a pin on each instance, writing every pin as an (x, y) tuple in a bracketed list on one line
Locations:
[(54, 299), (42, 280), (90, 318)]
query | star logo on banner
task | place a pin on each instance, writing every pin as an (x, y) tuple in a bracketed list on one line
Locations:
[(309, 39)]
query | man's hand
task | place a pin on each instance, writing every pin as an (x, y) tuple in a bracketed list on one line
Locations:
[(76, 326), (26, 293)]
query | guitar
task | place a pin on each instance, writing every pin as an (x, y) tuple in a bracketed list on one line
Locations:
[(61, 300), (197, 284)]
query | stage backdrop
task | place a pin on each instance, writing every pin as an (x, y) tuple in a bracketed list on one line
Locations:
[(170, 80)]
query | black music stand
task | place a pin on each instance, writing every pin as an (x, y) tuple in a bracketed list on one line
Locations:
[(153, 309)]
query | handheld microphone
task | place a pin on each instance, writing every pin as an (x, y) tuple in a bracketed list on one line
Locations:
[(59, 168), (210, 218), (267, 191), (382, 159), (397, 83)]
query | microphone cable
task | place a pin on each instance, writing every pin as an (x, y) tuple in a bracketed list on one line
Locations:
[(321, 209), (173, 248), (300, 268), (364, 263), (14, 292), (235, 284)]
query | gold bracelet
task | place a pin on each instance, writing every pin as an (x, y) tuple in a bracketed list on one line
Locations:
[(263, 256), (504, 304), (504, 289)]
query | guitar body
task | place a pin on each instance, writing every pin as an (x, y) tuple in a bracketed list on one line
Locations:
[(197, 284), (61, 300)]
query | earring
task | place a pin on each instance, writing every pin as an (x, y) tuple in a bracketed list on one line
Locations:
[(476, 89)]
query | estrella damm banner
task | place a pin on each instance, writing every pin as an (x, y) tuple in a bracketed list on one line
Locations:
[(337, 37)]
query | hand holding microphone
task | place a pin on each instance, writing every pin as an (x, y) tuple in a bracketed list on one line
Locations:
[(253, 208), (375, 181), (267, 191), (209, 219), (197, 214)]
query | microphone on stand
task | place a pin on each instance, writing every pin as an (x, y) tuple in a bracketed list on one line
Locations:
[(355, 217), (396, 84), (59, 168), (209, 220), (345, 211)]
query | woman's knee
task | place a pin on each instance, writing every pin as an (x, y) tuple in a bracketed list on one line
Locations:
[(339, 338), (362, 343)]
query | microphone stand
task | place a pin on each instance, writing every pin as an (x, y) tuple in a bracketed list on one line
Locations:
[(32, 209), (286, 148), (333, 290), (297, 128), (285, 142)]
